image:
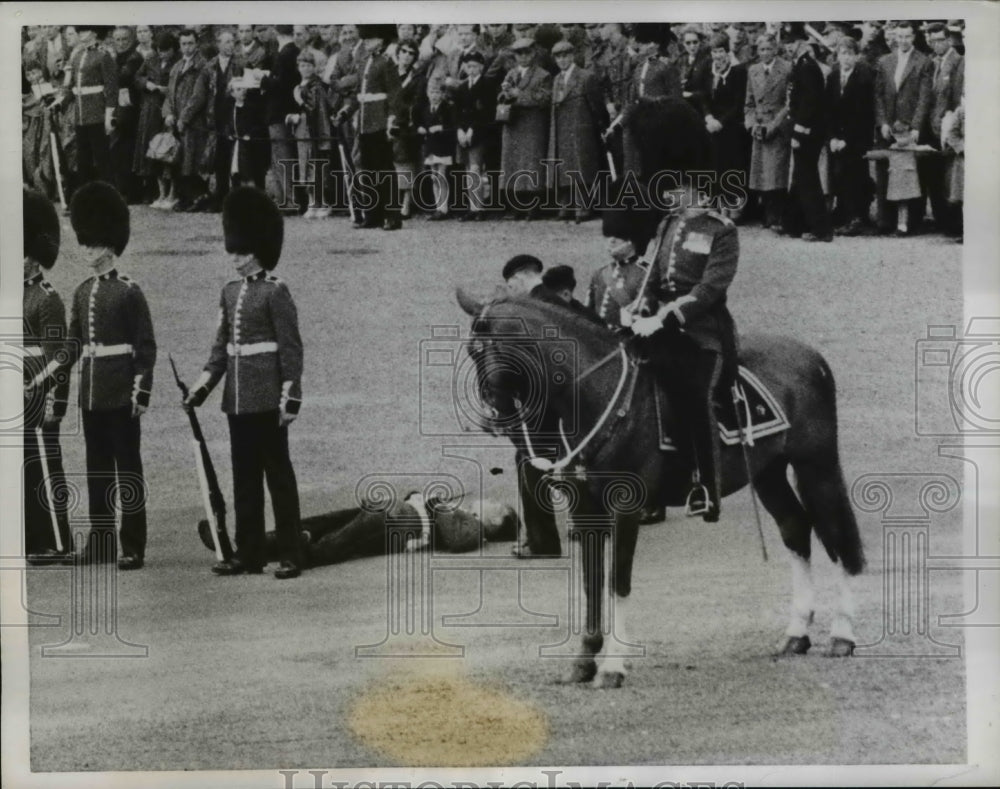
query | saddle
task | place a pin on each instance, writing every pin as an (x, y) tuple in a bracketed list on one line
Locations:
[(758, 409)]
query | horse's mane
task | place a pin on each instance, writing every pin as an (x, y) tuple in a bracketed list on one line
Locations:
[(543, 313)]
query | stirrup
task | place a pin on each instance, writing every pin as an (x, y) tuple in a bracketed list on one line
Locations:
[(698, 501)]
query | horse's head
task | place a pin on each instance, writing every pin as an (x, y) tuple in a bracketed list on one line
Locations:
[(527, 356)]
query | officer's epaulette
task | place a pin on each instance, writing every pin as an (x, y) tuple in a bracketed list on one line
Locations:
[(47, 287), (126, 279), (722, 218), (274, 278)]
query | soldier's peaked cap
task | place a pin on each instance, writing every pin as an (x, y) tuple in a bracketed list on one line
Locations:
[(385, 32), (41, 228), (252, 224), (100, 216)]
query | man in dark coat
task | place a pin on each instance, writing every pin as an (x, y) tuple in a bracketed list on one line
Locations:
[(278, 89), (126, 118), (902, 100), (805, 209), (651, 78), (220, 71), (947, 85), (111, 332), (258, 349), (91, 94), (851, 105), (578, 118), (47, 536), (185, 111)]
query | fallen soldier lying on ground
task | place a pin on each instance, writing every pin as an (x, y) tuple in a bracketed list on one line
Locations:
[(440, 525)]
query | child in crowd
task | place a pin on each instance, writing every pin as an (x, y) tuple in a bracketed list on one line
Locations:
[(435, 122), (312, 130)]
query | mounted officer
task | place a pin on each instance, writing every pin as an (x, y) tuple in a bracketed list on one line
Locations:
[(694, 255)]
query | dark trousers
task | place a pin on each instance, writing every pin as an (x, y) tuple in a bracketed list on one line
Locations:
[(39, 506), (374, 185), (772, 205), (93, 157), (284, 156), (805, 208), (122, 152), (852, 185), (114, 475), (260, 450), (691, 377), (931, 171), (533, 487), (223, 166)]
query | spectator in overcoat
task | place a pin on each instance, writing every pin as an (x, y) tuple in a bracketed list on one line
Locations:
[(902, 101), (222, 69), (126, 118), (185, 111), (151, 81), (527, 90), (947, 86), (764, 114), (406, 143), (850, 102), (725, 97), (246, 131), (578, 118)]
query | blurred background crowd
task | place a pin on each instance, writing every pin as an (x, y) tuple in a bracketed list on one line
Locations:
[(835, 127)]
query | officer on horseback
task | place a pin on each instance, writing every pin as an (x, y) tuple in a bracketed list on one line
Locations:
[(693, 259)]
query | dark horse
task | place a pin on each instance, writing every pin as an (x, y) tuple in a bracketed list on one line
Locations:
[(605, 421)]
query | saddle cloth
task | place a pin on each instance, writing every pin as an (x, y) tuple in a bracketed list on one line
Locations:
[(765, 414)]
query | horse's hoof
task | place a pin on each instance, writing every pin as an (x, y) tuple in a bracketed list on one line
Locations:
[(582, 671), (794, 645), (841, 647), (609, 679)]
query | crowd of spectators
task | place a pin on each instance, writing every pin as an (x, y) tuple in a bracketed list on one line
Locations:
[(847, 127)]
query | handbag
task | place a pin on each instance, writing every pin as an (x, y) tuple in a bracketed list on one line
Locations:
[(503, 113), (164, 147)]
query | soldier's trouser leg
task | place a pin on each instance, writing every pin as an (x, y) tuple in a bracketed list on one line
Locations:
[(808, 189), (100, 476), (37, 529), (282, 485), (124, 432), (248, 487), (539, 518), (223, 165)]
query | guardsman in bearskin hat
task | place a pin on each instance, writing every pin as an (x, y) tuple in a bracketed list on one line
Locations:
[(46, 386), (90, 92), (259, 351), (693, 262), (112, 332), (615, 287), (377, 105)]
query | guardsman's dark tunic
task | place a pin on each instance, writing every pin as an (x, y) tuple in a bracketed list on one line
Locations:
[(112, 331), (259, 351), (45, 379), (614, 287), (91, 93)]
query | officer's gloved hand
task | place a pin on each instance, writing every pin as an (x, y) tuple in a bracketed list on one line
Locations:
[(644, 327), (285, 418), (197, 393)]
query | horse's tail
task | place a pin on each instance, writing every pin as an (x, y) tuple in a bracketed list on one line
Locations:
[(835, 522)]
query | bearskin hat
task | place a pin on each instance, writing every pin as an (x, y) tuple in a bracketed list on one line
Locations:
[(100, 216), (386, 32), (41, 228), (630, 215), (252, 223), (669, 134)]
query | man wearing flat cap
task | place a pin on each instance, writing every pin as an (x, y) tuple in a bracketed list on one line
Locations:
[(90, 92), (46, 386), (258, 350), (111, 330)]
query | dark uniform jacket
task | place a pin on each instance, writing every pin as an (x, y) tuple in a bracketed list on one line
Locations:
[(257, 347), (655, 80), (694, 266), (92, 85), (111, 330), (851, 108), (44, 346), (613, 287), (377, 97)]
